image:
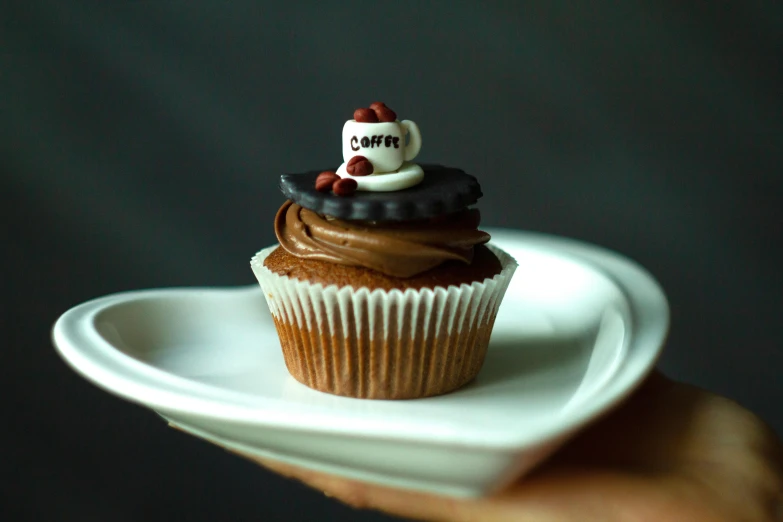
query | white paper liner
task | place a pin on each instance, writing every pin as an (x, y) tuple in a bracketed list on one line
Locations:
[(383, 343)]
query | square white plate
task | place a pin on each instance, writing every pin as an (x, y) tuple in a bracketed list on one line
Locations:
[(579, 328)]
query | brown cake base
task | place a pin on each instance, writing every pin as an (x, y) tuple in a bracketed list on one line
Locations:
[(397, 367)]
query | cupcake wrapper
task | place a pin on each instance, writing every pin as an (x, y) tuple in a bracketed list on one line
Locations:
[(383, 344)]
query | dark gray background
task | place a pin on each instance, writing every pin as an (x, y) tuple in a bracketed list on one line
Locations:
[(141, 144)]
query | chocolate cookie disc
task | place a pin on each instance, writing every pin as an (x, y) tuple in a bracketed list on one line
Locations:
[(442, 191)]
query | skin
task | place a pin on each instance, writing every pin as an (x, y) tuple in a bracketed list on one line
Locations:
[(671, 453)]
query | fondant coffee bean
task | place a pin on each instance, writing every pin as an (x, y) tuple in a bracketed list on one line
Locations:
[(359, 166), (365, 116), (385, 114), (352, 162), (325, 180), (377, 105), (345, 187), (362, 167)]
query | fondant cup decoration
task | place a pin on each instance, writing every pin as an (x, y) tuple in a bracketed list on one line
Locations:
[(377, 154)]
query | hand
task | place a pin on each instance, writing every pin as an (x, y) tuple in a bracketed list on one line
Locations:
[(671, 453)]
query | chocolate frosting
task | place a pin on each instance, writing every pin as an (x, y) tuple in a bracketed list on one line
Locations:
[(401, 249)]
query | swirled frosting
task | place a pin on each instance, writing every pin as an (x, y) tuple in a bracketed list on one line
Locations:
[(399, 249)]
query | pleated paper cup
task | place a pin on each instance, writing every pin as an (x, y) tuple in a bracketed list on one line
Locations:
[(383, 344)]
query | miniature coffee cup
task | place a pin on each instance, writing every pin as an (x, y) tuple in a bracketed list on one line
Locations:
[(383, 143)]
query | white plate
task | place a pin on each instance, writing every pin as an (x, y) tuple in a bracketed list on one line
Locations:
[(579, 328)]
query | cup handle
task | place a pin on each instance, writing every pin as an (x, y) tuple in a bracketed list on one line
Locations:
[(414, 144)]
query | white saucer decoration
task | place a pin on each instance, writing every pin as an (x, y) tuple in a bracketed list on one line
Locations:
[(408, 175), (579, 329)]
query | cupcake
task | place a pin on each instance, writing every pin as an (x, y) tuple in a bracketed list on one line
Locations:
[(382, 286)]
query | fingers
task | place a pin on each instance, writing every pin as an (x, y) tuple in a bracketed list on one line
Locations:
[(556, 497), (360, 495)]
